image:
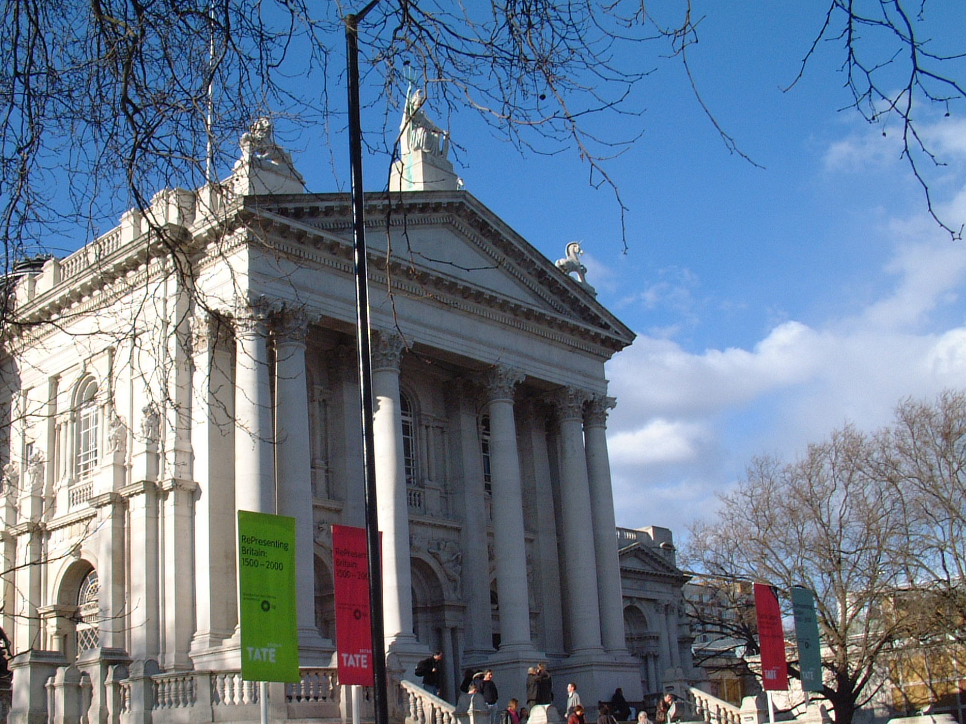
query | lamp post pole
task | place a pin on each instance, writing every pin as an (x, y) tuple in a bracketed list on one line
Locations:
[(380, 679)]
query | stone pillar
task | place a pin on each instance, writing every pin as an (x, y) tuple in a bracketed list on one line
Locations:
[(547, 576), (509, 544), (254, 464), (293, 469), (109, 545), (213, 442), (143, 535), (580, 562), (27, 583), (603, 524), (673, 635), (391, 491), (177, 500), (476, 582)]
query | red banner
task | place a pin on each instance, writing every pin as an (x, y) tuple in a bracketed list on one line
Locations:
[(350, 562), (771, 637)]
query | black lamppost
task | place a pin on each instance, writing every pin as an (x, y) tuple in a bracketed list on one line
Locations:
[(380, 680)]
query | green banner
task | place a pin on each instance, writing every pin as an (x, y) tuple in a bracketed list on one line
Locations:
[(266, 595), (806, 633)]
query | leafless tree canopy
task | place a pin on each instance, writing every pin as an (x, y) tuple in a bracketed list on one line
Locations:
[(874, 524), (104, 102)]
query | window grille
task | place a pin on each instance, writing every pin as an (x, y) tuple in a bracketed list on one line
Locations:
[(88, 611)]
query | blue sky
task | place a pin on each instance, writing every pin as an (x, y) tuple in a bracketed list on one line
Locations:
[(772, 305)]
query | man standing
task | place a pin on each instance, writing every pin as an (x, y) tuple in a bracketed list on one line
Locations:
[(544, 685), (490, 695), (573, 698), (430, 669)]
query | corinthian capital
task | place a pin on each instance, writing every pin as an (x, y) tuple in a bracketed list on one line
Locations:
[(501, 381), (569, 402), (251, 314), (386, 349), (595, 412), (292, 325)]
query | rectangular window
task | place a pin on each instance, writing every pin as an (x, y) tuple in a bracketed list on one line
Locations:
[(87, 440)]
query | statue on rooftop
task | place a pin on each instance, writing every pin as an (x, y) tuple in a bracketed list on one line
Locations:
[(418, 133)]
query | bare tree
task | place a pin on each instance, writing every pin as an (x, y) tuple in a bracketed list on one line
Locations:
[(923, 457), (825, 523), (104, 102)]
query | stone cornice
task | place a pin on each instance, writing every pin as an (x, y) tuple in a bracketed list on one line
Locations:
[(70, 519)]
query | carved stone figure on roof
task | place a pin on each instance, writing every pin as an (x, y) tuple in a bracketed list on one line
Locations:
[(418, 132)]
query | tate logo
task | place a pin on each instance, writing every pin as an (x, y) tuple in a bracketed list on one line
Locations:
[(357, 660), (265, 654)]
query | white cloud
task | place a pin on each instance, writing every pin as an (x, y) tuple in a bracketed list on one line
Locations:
[(659, 441), (687, 423)]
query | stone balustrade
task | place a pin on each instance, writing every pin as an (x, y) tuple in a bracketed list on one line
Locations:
[(712, 709), (424, 708)]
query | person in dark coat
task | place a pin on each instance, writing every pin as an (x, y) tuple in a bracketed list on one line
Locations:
[(544, 685), (431, 669), (619, 707)]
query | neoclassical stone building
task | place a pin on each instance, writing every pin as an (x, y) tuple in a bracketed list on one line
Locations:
[(656, 624), (199, 359)]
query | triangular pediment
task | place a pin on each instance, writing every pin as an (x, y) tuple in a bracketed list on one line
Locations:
[(644, 560), (453, 246)]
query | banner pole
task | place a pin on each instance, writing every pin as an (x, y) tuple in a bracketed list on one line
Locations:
[(771, 708), (355, 703), (263, 701)]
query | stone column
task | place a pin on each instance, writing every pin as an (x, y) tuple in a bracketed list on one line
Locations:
[(391, 490), (673, 634), (254, 464), (603, 524), (509, 545), (547, 577), (580, 562), (109, 544), (293, 468), (176, 502), (213, 443), (476, 583), (143, 536)]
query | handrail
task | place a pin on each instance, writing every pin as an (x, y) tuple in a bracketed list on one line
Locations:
[(711, 709), (425, 708)]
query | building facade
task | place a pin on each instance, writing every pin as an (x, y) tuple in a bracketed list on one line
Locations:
[(656, 626), (199, 359)]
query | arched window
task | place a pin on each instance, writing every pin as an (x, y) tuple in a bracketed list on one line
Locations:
[(409, 439), (485, 452), (88, 611), (86, 457)]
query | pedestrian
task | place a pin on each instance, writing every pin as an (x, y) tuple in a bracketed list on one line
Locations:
[(573, 698), (577, 716), (490, 695), (618, 705), (666, 710), (544, 685), (532, 687), (430, 669), (642, 717), (465, 683), (511, 715), (604, 716)]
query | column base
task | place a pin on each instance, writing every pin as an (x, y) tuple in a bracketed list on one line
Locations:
[(597, 675), (314, 650)]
